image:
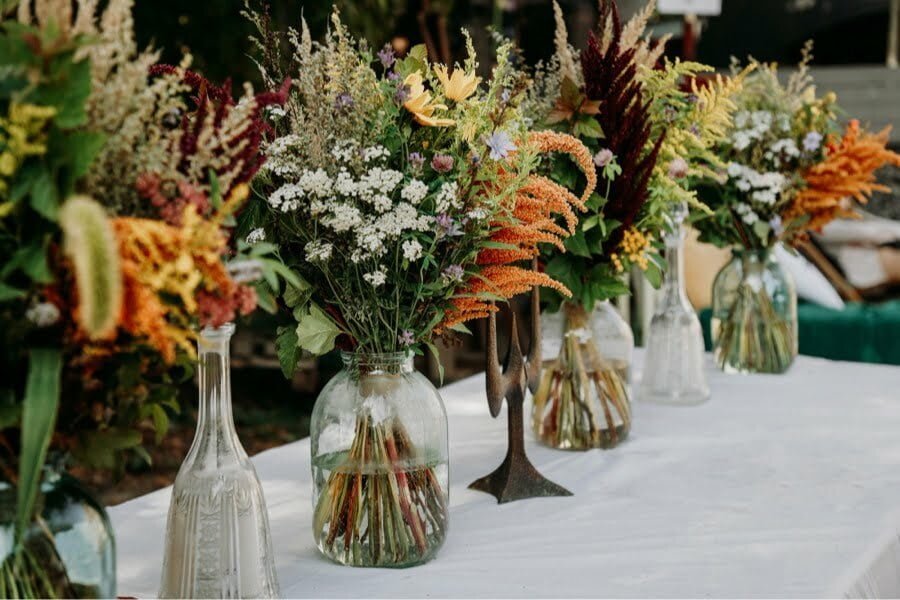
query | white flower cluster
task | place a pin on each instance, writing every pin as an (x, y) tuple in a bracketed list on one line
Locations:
[(364, 207), (748, 215), (780, 149), (754, 125), (447, 197), (376, 278), (256, 236), (764, 188), (281, 158), (318, 251), (412, 250)]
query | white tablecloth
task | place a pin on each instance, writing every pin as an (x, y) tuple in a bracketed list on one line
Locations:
[(779, 486)]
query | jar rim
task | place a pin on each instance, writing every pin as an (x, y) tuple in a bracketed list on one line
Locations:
[(224, 330), (358, 358), (742, 252)]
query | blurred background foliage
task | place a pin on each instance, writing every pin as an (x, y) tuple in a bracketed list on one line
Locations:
[(845, 31)]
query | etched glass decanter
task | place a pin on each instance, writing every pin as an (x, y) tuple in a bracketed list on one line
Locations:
[(218, 543), (673, 366)]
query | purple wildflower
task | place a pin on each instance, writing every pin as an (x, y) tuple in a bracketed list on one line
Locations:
[(386, 56), (812, 141), (416, 160), (407, 338), (603, 157), (453, 274), (447, 226), (402, 94), (499, 144), (505, 95), (442, 163), (344, 101)]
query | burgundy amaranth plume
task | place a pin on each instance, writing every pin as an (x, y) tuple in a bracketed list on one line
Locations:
[(210, 98), (611, 78)]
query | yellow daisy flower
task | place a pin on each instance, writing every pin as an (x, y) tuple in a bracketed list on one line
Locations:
[(420, 105), (458, 86)]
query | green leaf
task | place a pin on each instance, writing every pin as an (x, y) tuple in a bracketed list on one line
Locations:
[(38, 421), (288, 351), (8, 293), (99, 448), (45, 196), (653, 274), (316, 332), (32, 261), (82, 148), (437, 357), (761, 229), (160, 421), (588, 128), (577, 245), (297, 295), (215, 190)]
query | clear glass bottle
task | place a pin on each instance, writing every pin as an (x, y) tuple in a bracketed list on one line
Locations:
[(754, 314), (218, 543), (673, 365), (582, 399), (68, 551), (379, 464)]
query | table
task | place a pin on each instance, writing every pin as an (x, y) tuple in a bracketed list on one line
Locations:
[(779, 486)]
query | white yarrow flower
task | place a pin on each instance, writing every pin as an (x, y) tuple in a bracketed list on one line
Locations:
[(43, 314), (376, 278), (318, 251), (256, 236), (414, 191), (412, 250)]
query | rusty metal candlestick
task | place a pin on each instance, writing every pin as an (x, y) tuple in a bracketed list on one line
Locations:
[(515, 478)]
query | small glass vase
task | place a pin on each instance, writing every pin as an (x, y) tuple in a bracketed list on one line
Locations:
[(68, 551), (582, 398), (673, 367), (379, 464), (218, 543), (754, 314)]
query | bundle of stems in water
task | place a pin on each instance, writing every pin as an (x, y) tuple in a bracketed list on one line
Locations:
[(753, 337), (383, 506), (33, 569), (582, 401)]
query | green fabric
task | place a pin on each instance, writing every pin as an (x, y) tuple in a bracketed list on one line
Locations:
[(860, 332)]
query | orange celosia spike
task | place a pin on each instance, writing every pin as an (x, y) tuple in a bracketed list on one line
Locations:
[(848, 171)]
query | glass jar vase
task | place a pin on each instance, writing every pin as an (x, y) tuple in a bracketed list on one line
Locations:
[(754, 314), (673, 365), (379, 464), (218, 543), (67, 552), (582, 399)]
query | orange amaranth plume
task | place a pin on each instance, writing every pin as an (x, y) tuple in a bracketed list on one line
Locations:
[(848, 171), (532, 220)]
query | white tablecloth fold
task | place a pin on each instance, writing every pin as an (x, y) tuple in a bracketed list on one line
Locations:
[(779, 486)]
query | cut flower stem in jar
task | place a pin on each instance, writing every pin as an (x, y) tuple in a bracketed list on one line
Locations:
[(382, 504), (581, 401)]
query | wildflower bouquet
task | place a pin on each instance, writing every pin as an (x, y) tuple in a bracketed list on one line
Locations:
[(789, 170), (113, 229), (403, 192), (650, 130)]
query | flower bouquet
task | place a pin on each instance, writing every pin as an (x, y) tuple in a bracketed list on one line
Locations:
[(789, 170), (402, 191), (114, 205), (648, 133)]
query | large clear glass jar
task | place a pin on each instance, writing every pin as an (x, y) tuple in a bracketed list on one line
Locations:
[(754, 314), (68, 551), (673, 365), (218, 543), (379, 464), (582, 399)]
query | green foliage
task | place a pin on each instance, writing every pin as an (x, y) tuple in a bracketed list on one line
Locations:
[(38, 420)]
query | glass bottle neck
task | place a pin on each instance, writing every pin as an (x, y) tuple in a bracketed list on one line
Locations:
[(215, 421), (673, 288), (378, 363), (752, 260)]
